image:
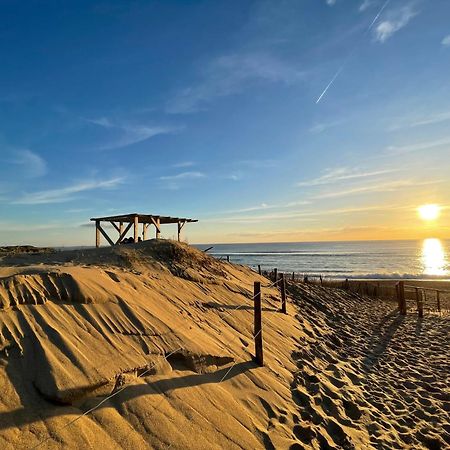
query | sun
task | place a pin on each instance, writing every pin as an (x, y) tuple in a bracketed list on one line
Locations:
[(429, 212)]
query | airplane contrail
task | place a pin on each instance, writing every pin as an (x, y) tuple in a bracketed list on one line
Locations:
[(378, 15), (351, 53), (330, 83)]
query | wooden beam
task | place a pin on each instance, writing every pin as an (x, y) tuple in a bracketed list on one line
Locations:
[(157, 224), (124, 233), (97, 234), (115, 226), (136, 228), (105, 235), (120, 228)]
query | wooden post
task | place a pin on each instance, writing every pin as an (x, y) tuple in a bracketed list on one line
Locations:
[(283, 294), (259, 269), (180, 227), (258, 324), (293, 276), (120, 228), (438, 299), (158, 228), (275, 276), (144, 231), (228, 258), (402, 299), (136, 228), (97, 234), (419, 302)]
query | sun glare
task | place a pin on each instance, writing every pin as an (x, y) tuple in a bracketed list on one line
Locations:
[(433, 257), (429, 212)]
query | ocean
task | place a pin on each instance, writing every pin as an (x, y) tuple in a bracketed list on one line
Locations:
[(425, 259)]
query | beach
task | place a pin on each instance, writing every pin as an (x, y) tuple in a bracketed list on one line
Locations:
[(150, 345)]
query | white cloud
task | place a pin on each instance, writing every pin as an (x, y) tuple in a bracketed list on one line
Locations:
[(299, 215), (230, 74), (429, 119), (331, 2), (129, 134), (31, 163), (342, 174), (399, 150), (174, 182), (365, 5), (324, 126), (389, 186), (446, 41), (66, 194), (183, 176), (183, 164), (394, 21)]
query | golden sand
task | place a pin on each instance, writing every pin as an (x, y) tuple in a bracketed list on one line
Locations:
[(155, 324)]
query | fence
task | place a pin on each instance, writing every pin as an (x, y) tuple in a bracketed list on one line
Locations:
[(422, 297)]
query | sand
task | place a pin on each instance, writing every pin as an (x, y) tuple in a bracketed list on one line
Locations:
[(156, 324)]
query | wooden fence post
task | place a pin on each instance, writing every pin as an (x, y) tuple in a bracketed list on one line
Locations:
[(419, 302), (275, 276), (293, 276), (438, 299), (401, 298), (228, 258), (283, 294), (258, 324), (259, 269)]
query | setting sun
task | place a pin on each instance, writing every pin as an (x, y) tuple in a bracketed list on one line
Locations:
[(429, 212)]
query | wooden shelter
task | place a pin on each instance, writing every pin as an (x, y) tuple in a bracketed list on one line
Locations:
[(133, 220)]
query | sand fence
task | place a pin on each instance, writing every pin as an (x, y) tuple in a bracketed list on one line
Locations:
[(257, 335), (409, 297)]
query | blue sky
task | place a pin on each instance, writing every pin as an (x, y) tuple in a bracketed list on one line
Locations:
[(267, 121)]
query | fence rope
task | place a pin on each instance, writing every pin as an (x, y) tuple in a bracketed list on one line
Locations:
[(113, 394)]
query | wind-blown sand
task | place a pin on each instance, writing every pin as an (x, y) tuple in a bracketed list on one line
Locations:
[(341, 371)]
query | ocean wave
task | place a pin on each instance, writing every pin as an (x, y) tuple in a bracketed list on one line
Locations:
[(382, 276)]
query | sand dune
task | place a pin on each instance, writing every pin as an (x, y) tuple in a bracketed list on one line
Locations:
[(156, 325)]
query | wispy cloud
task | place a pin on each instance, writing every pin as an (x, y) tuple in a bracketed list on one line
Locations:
[(67, 193), (429, 119), (446, 41), (299, 215), (324, 126), (129, 134), (399, 150), (343, 174), (331, 2), (21, 227), (389, 186), (365, 4), (394, 21), (265, 207), (257, 163), (174, 182), (183, 164), (31, 163), (230, 74)]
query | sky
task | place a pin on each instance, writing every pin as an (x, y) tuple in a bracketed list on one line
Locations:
[(269, 121)]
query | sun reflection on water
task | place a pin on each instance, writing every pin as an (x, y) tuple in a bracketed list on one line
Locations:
[(433, 257)]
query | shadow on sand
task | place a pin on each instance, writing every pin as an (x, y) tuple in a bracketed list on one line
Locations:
[(24, 416)]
